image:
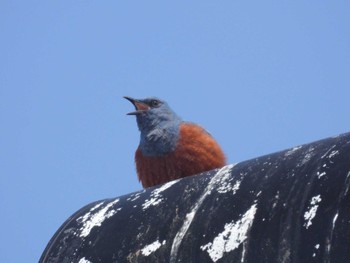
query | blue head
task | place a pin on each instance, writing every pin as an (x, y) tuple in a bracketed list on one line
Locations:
[(158, 124)]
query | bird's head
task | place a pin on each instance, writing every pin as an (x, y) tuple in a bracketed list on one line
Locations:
[(152, 113), (158, 124)]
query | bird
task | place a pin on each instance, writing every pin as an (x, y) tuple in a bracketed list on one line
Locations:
[(169, 147)]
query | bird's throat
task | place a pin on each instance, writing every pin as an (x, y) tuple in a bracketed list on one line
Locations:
[(160, 141)]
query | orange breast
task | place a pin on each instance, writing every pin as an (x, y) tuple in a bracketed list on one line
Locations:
[(196, 152)]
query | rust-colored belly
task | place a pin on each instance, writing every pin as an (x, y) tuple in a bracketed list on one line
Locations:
[(196, 152)]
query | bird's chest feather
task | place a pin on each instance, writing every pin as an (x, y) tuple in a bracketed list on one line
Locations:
[(159, 141), (195, 151)]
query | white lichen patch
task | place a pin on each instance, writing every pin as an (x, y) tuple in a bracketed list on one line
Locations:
[(149, 249), (332, 154), (311, 212), (83, 260), (326, 153), (135, 196), (216, 181), (96, 207), (225, 173), (277, 197), (83, 218), (334, 221), (227, 187), (95, 217), (307, 156), (234, 234), (290, 152), (224, 182), (319, 175), (329, 243), (156, 197), (317, 246)]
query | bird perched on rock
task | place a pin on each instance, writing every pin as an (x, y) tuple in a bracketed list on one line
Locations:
[(169, 147)]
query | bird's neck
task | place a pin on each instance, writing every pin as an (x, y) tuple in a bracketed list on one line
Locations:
[(159, 140)]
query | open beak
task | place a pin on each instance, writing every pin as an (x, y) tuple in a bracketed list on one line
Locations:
[(139, 106)]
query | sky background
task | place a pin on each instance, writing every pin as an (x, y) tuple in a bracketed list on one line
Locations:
[(260, 76)]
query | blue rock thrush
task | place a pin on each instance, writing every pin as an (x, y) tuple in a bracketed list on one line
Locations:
[(169, 147)]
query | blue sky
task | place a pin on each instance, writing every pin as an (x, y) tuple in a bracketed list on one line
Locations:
[(261, 76)]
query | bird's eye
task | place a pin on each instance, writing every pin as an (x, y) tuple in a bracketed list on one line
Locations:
[(155, 103)]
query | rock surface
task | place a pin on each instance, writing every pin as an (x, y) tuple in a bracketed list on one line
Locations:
[(290, 206)]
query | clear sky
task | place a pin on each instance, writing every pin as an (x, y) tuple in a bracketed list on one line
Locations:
[(261, 76)]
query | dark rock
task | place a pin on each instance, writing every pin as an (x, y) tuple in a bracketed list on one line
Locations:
[(290, 206)]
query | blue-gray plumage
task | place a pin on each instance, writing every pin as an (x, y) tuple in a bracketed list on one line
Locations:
[(169, 147), (158, 124)]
